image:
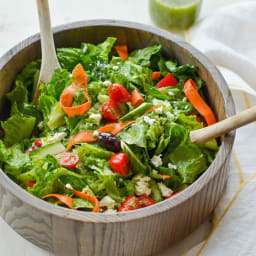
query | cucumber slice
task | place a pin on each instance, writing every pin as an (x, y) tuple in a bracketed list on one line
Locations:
[(136, 112), (49, 149), (136, 164)]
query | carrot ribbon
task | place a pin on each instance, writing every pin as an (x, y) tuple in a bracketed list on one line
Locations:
[(68, 201), (122, 51), (87, 136), (90, 198), (66, 98), (136, 98), (198, 103)]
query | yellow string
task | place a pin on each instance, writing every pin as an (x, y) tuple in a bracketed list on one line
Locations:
[(226, 210), (238, 167), (246, 99), (188, 37)]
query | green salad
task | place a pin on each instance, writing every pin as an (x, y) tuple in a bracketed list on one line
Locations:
[(110, 132)]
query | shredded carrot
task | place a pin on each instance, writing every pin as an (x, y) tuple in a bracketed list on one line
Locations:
[(122, 51), (150, 110), (156, 75), (83, 136), (165, 177), (79, 76), (136, 98), (66, 99), (87, 136), (114, 128), (198, 103), (68, 201), (90, 198)]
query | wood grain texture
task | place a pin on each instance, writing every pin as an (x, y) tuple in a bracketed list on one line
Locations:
[(141, 232)]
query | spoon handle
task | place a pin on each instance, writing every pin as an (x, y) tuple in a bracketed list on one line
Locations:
[(205, 134), (49, 58)]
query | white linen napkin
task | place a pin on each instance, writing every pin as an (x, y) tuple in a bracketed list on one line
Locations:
[(228, 38)]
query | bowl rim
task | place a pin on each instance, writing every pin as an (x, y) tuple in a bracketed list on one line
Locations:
[(160, 207)]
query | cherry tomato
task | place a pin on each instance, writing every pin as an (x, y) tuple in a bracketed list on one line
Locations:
[(36, 144), (30, 184), (168, 80), (110, 111), (145, 200), (174, 194), (118, 93), (67, 159), (120, 163), (130, 203)]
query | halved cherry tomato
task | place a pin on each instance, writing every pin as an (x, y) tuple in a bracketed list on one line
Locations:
[(30, 184), (130, 203), (67, 159), (120, 163), (174, 194), (145, 200), (36, 144), (118, 93), (110, 111), (168, 80)]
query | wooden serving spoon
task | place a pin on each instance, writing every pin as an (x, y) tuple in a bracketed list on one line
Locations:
[(49, 58), (213, 131)]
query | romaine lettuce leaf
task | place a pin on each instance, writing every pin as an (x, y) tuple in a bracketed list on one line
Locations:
[(19, 94), (105, 47), (14, 160), (190, 161), (60, 80), (69, 57), (146, 57), (17, 127)]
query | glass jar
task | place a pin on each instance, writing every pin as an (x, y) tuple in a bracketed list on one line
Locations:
[(174, 14)]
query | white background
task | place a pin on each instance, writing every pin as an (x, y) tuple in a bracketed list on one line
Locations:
[(18, 20)]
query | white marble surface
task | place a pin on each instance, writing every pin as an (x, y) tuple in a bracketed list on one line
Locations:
[(18, 20)]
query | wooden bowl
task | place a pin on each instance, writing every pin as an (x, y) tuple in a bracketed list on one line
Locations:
[(141, 232)]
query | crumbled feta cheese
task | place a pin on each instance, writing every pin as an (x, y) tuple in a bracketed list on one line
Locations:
[(70, 75), (157, 160), (186, 107), (95, 134), (115, 67), (170, 115), (55, 138), (148, 120), (108, 202), (159, 110), (155, 171), (172, 166), (185, 99), (107, 83), (68, 186), (161, 103), (141, 184), (86, 190), (40, 125), (96, 117), (84, 48), (170, 93), (165, 191)]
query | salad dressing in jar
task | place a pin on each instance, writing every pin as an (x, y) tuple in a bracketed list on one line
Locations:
[(179, 14)]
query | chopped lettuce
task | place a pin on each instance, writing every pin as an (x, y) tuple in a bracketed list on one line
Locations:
[(17, 127), (156, 141)]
